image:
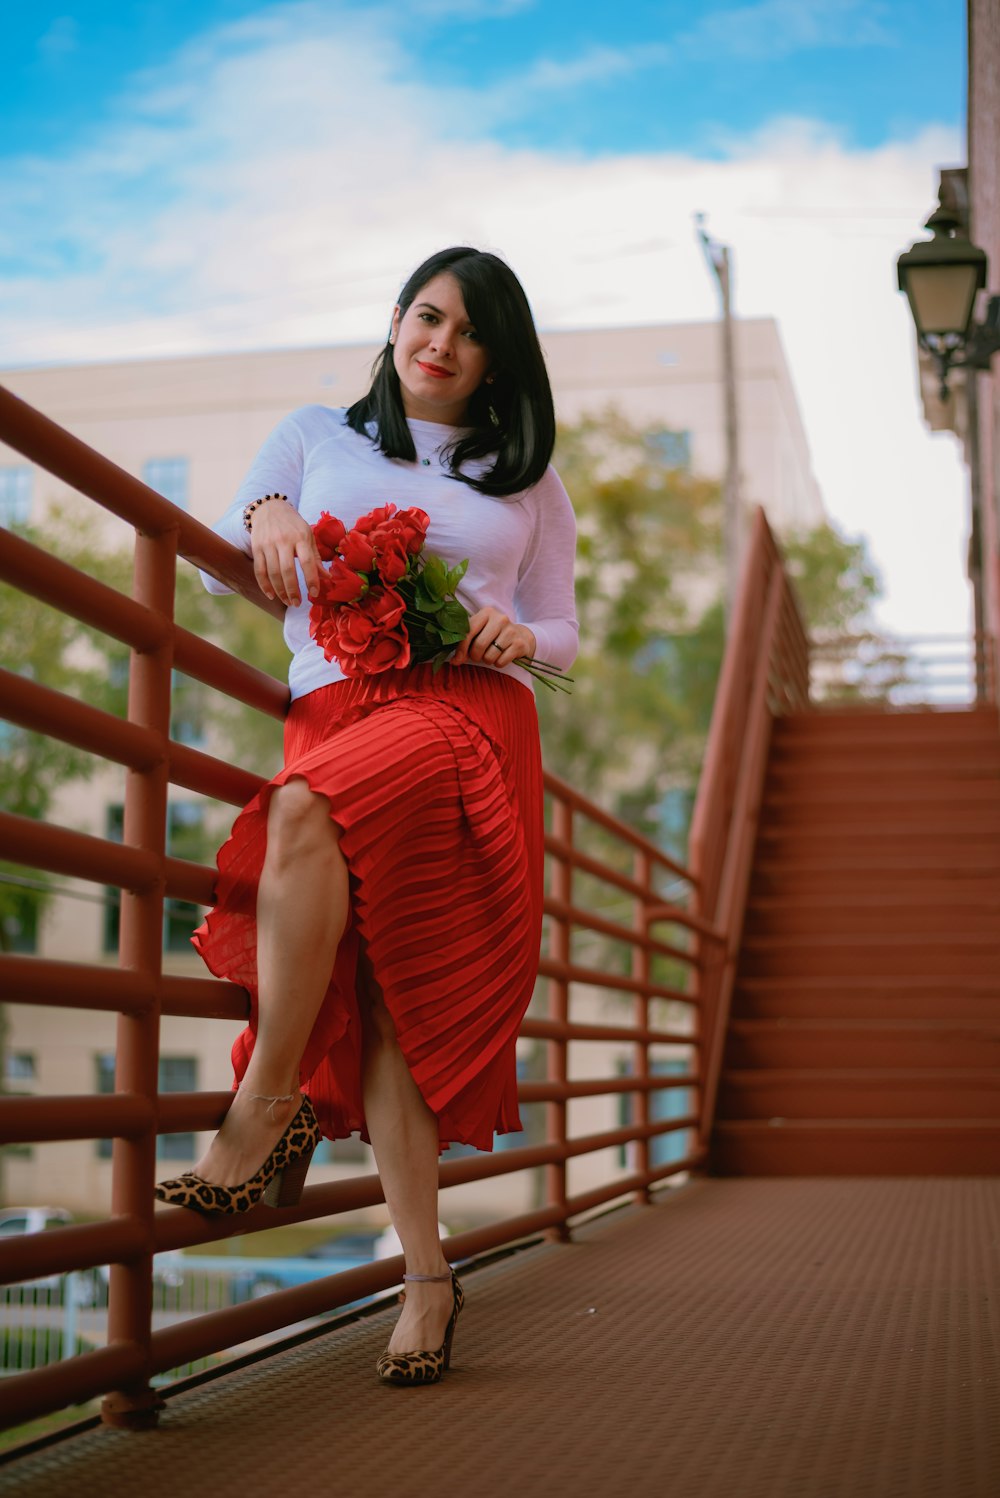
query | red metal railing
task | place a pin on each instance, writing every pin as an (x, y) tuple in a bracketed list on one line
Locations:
[(765, 672), (592, 860)]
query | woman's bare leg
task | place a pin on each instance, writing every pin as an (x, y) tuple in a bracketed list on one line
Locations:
[(302, 906), (404, 1135)]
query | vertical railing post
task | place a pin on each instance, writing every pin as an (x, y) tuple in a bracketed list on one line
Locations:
[(130, 1310), (641, 964), (557, 1068)]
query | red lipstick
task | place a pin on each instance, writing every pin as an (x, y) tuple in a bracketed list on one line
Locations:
[(435, 371)]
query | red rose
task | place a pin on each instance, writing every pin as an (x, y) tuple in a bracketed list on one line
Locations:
[(374, 518), (385, 607), (413, 525), (388, 651), (357, 551), (338, 583), (329, 533), (366, 636), (391, 556)]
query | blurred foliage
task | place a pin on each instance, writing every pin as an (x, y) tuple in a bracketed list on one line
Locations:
[(649, 579)]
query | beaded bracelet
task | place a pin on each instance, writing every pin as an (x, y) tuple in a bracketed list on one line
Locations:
[(249, 509)]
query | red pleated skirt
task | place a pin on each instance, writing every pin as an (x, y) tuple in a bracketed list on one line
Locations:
[(435, 783)]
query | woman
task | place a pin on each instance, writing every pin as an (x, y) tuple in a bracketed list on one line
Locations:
[(381, 898)]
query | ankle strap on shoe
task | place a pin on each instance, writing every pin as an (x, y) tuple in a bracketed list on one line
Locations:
[(259, 1097), (429, 1279)]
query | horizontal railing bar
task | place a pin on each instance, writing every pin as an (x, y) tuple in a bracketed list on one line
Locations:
[(545, 1092), (577, 916), (588, 1200), (75, 1380), (58, 1250), (569, 972), (587, 865), (548, 1029), (44, 710), (200, 1337), (42, 845), (33, 571), (658, 912), (32, 1120), (198, 771), (176, 1228), (90, 473), (75, 985), (203, 998), (579, 803), (214, 667), (185, 880)]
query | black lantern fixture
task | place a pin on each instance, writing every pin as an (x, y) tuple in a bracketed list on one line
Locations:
[(941, 278)]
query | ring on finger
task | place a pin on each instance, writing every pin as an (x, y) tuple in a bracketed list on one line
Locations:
[(495, 645)]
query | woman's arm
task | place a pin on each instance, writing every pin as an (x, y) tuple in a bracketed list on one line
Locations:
[(545, 599), (278, 535)]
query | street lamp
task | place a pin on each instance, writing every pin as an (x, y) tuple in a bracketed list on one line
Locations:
[(941, 277)]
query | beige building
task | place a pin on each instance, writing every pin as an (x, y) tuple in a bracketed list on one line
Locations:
[(189, 427)]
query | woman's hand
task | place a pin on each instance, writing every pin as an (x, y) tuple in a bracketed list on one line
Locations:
[(279, 537), (495, 640)]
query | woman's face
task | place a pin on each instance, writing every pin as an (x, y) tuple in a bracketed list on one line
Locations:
[(437, 354)]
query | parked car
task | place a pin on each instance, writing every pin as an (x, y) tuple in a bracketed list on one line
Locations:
[(91, 1285), (257, 1277)]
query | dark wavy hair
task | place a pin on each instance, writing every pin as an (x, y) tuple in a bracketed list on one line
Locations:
[(520, 393)]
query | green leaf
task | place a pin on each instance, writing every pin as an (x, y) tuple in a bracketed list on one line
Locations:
[(453, 617)]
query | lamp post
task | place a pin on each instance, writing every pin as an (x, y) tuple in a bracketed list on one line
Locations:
[(717, 256), (941, 277)]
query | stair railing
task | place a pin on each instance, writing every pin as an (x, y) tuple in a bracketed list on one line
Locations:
[(605, 880), (765, 673)]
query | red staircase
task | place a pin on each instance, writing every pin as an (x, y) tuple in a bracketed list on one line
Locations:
[(864, 1032)]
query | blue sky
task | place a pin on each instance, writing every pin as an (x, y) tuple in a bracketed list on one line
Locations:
[(227, 174), (592, 77)]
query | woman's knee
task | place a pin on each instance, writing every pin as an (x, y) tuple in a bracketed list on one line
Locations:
[(299, 821)]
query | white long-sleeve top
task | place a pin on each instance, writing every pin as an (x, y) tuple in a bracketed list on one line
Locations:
[(520, 550)]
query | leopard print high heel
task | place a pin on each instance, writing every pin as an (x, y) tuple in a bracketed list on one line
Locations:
[(278, 1183), (424, 1367)]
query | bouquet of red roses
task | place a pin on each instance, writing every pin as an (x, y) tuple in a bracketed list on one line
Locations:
[(384, 602)]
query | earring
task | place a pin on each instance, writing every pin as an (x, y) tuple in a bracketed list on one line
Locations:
[(494, 418), (489, 379)]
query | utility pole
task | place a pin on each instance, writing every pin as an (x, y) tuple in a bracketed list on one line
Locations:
[(717, 256)]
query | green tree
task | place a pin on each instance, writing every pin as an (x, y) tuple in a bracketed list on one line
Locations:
[(649, 578)]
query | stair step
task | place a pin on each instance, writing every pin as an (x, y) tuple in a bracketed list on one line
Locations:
[(858, 955), (899, 1044), (856, 1147), (923, 997), (870, 1092), (960, 725), (958, 806), (881, 913), (835, 878), (934, 837), (800, 774)]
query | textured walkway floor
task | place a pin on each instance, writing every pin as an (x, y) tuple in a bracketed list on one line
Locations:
[(752, 1338)]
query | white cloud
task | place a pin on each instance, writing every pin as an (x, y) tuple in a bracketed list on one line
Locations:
[(275, 184)]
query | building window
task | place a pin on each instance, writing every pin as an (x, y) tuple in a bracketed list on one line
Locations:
[(15, 496), (169, 477), (176, 1074), (19, 1067), (185, 839)]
